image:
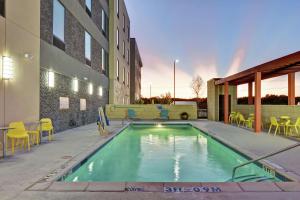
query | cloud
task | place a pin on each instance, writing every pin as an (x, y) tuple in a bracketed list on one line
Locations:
[(237, 61)]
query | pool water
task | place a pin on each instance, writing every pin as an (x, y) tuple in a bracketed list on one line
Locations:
[(165, 153)]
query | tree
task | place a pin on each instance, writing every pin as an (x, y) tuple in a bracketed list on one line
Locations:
[(196, 85)]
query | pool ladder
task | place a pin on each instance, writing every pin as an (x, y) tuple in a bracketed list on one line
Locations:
[(261, 158)]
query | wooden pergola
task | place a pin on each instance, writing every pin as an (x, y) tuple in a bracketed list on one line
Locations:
[(287, 65)]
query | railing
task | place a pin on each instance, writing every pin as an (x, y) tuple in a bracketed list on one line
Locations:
[(262, 157)]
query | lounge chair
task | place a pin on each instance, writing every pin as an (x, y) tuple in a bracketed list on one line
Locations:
[(102, 122), (131, 114), (164, 114)]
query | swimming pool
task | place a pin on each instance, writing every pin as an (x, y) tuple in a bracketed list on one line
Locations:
[(166, 153)]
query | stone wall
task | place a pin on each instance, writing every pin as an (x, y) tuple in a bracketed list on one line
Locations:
[(72, 117)]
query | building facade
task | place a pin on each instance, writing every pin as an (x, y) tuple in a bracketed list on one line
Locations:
[(136, 65), (54, 60), (119, 53)]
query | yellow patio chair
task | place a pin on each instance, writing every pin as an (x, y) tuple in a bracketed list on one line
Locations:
[(34, 136), (232, 117), (295, 126), (17, 133), (277, 124), (46, 126), (245, 122)]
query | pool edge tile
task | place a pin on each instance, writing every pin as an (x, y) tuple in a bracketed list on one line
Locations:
[(106, 187), (260, 187), (144, 186), (289, 186), (68, 186)]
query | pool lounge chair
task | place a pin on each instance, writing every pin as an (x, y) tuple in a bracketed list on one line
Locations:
[(164, 114), (131, 114), (102, 122)]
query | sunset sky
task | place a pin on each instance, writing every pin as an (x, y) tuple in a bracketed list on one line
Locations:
[(212, 39)]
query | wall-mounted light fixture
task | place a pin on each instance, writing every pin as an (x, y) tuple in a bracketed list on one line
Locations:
[(51, 77), (100, 91), (28, 56), (91, 88), (75, 85), (8, 68)]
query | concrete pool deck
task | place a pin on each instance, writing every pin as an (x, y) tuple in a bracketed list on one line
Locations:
[(26, 175)]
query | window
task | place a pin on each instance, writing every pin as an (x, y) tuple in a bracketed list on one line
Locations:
[(88, 48), (128, 56), (118, 37), (58, 25), (128, 33), (124, 75), (2, 7), (128, 79), (123, 22), (123, 48), (103, 54), (88, 7), (118, 7), (103, 22), (118, 69)]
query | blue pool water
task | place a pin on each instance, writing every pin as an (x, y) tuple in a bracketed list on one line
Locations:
[(165, 153)]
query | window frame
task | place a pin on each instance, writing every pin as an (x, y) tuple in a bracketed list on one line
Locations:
[(2, 8), (58, 41), (118, 8), (124, 21), (87, 9), (124, 75), (118, 38), (87, 60), (118, 70), (124, 49)]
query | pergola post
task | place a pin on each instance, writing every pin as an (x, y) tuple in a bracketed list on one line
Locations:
[(250, 93), (257, 102), (226, 102), (291, 89)]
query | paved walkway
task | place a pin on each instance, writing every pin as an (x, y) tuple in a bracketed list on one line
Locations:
[(22, 170), (256, 145)]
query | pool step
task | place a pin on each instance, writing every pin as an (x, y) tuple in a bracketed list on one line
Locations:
[(252, 178)]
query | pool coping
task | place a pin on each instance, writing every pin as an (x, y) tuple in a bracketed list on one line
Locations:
[(50, 182)]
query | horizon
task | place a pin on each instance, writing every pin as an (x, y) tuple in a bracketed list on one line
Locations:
[(236, 37)]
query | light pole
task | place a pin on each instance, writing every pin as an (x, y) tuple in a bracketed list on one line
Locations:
[(176, 61)]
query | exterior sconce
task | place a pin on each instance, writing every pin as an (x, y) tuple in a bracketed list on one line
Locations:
[(75, 85), (51, 77), (100, 91), (8, 68), (90, 88)]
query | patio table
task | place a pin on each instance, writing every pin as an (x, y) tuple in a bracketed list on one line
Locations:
[(4, 131)]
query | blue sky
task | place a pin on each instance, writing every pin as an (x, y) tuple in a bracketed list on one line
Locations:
[(212, 38)]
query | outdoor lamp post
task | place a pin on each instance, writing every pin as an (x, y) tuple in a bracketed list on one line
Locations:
[(176, 61)]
